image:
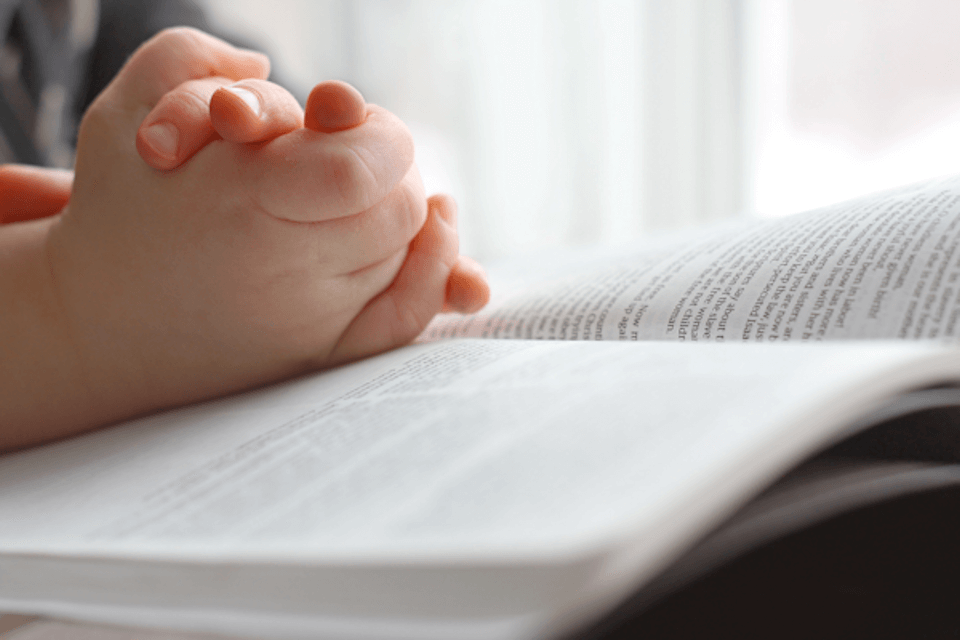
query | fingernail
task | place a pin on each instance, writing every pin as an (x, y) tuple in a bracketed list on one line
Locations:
[(249, 97), (163, 137)]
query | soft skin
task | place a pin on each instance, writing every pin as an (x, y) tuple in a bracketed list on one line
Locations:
[(254, 260)]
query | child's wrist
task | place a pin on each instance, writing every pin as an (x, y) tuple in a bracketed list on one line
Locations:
[(43, 389)]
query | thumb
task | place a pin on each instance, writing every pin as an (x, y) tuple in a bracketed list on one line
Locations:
[(334, 106)]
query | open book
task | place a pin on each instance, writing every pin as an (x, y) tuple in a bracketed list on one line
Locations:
[(482, 488)]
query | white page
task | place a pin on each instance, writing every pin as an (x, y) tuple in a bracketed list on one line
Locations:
[(468, 446), (538, 481), (884, 266)]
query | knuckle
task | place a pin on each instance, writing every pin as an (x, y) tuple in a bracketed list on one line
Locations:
[(354, 180), (183, 104), (97, 121), (172, 43), (175, 37)]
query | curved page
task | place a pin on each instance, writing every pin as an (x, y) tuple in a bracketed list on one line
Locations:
[(463, 489), (884, 266)]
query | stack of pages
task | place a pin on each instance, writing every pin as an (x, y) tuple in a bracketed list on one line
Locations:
[(608, 427)]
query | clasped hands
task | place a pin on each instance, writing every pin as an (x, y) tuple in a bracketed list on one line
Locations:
[(214, 237)]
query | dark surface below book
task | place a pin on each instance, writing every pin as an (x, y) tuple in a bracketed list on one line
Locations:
[(886, 570), (889, 570)]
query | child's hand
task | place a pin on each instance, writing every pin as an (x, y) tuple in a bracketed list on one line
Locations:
[(252, 111), (248, 264), (186, 125)]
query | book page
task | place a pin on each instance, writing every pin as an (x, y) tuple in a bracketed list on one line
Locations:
[(885, 266), (470, 488), (466, 445)]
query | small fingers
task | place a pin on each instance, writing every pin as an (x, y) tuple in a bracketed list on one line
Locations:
[(179, 125), (258, 110), (334, 106), (416, 295), (254, 111), (467, 288), (374, 235), (200, 111), (342, 247), (27, 192), (309, 176)]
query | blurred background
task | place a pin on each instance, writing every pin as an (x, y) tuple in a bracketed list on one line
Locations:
[(573, 122)]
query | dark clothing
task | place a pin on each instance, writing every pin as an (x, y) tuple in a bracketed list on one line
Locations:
[(56, 57)]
